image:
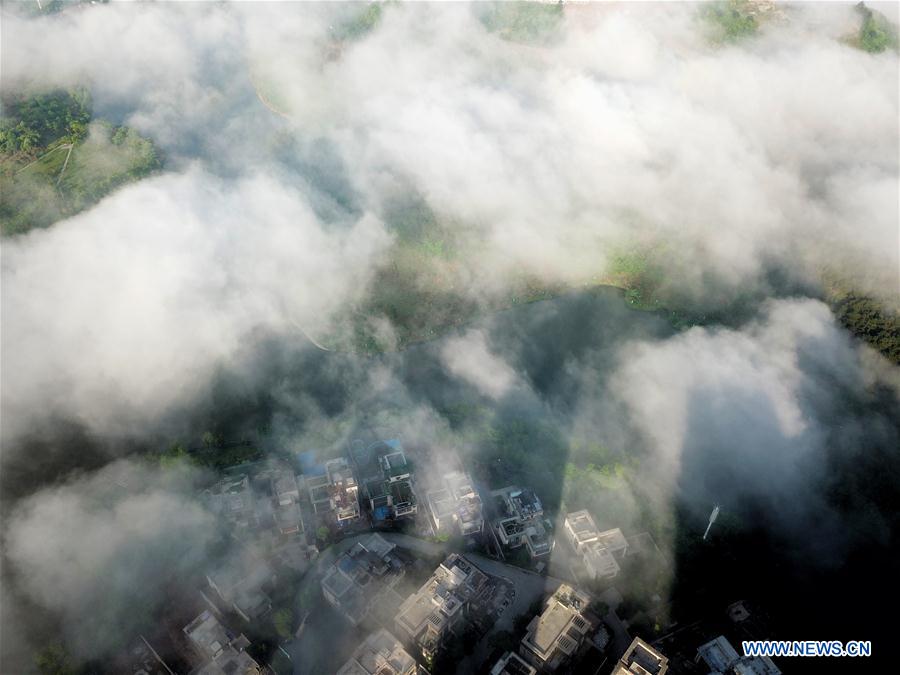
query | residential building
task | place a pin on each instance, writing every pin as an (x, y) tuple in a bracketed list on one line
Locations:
[(221, 652), (721, 658), (601, 552), (286, 495), (138, 658), (428, 617), (555, 636), (456, 504), (333, 491), (441, 508), (242, 583), (319, 488), (387, 477), (355, 582), (520, 521), (232, 497), (599, 562), (380, 654), (512, 664), (641, 659), (344, 491)]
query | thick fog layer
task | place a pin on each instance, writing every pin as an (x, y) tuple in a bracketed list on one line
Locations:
[(630, 128), (287, 150)]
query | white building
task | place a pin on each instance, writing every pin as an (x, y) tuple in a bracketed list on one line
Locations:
[(286, 495), (512, 664), (521, 521), (380, 654), (558, 633), (601, 552), (361, 576), (720, 657), (222, 654), (455, 504), (641, 659), (429, 615)]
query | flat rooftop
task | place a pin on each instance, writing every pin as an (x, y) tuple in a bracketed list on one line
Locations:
[(641, 659), (380, 654), (600, 560), (582, 526), (613, 539)]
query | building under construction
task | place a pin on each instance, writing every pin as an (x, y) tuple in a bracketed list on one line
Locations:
[(387, 479), (520, 521), (455, 505)]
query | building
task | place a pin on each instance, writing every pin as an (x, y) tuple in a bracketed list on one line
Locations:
[(428, 617), (555, 636), (355, 582), (601, 552), (233, 499), (456, 504), (641, 659), (138, 658), (380, 654), (221, 652), (242, 584), (344, 493), (512, 664), (721, 658), (286, 495), (520, 521), (599, 562), (387, 477), (319, 488), (333, 491)]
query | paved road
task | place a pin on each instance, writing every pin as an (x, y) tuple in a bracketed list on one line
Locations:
[(620, 636)]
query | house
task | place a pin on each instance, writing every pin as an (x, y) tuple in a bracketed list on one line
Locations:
[(286, 497), (242, 582), (555, 636), (720, 657), (641, 659), (512, 664), (601, 552), (380, 654), (455, 505), (520, 521), (355, 582), (428, 617), (387, 477), (233, 499), (221, 652), (344, 491)]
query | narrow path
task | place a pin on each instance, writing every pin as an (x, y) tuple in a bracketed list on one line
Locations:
[(310, 337), (65, 164), (46, 154)]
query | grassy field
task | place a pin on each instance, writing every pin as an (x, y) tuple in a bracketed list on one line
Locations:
[(526, 22), (876, 33), (70, 176), (730, 20)]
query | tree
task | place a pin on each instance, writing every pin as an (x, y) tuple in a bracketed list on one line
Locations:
[(283, 620), (55, 660), (174, 456), (323, 533)]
